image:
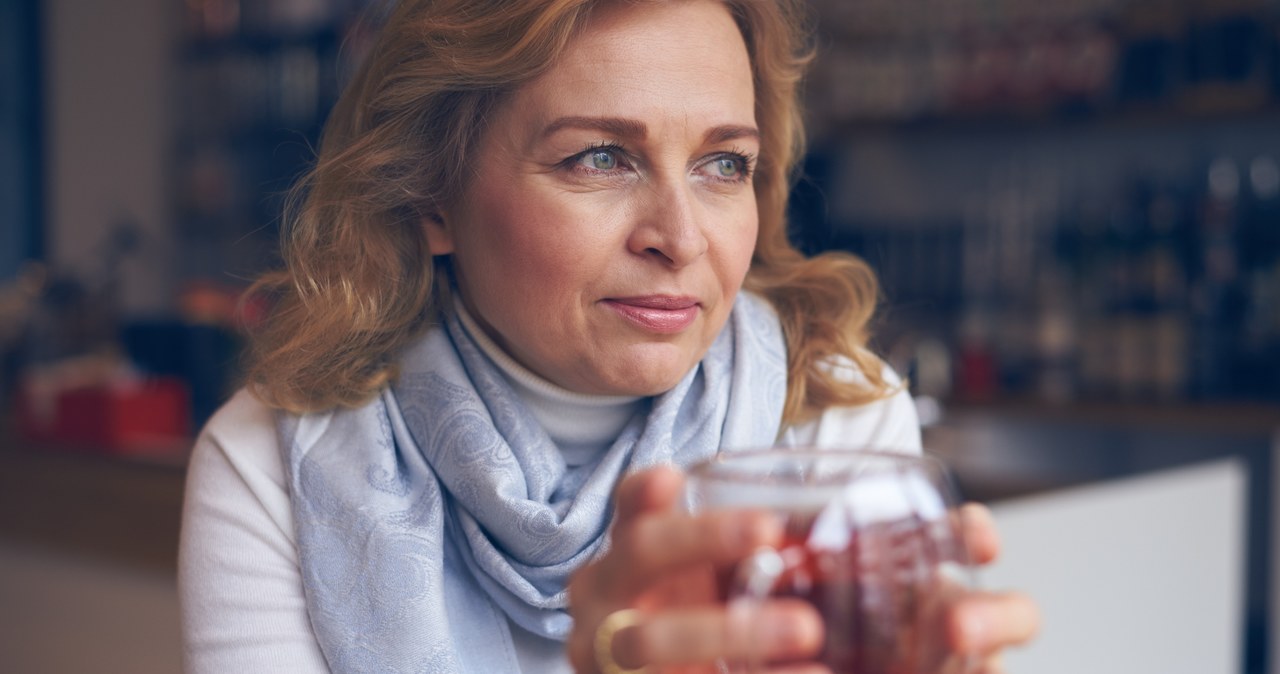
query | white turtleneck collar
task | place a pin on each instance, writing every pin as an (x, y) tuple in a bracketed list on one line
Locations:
[(581, 425)]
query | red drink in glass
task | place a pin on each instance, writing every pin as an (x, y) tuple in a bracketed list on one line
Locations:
[(871, 541), (879, 595)]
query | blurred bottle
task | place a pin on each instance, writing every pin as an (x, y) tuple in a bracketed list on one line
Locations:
[(977, 370), (1164, 267), (1260, 262), (1217, 298), (1056, 338)]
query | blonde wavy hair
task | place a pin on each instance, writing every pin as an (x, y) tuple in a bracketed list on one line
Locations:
[(359, 283)]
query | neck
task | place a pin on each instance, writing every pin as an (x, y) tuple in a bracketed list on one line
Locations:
[(577, 422)]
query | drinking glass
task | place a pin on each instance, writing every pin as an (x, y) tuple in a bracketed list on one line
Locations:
[(872, 540)]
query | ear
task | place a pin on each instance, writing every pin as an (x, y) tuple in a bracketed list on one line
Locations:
[(439, 236)]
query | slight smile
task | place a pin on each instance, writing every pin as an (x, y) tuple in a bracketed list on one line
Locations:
[(662, 314)]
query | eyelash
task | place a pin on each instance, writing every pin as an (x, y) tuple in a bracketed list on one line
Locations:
[(619, 152), (746, 161)]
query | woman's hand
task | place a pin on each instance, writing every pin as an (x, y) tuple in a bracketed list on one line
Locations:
[(983, 624), (664, 562)]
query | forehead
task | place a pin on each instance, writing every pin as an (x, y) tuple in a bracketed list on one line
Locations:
[(663, 60)]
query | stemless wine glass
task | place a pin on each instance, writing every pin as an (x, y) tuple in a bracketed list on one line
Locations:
[(872, 541)]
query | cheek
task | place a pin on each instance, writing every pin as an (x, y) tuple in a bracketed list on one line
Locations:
[(499, 228), (533, 239), (524, 241), (738, 248)]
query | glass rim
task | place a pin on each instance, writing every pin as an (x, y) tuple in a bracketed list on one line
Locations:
[(720, 468)]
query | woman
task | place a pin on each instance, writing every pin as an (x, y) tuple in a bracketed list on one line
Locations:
[(515, 292)]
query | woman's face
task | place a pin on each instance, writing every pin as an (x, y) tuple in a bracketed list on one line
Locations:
[(611, 219)]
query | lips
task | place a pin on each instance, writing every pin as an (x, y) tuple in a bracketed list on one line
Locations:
[(662, 314)]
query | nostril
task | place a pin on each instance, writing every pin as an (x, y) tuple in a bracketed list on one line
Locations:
[(659, 254)]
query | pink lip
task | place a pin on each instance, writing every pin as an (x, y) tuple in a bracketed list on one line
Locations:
[(664, 314)]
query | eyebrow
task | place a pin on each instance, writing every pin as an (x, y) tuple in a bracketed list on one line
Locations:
[(617, 126), (631, 128), (721, 134)]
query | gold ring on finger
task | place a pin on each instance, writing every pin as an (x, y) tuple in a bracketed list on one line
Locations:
[(613, 622)]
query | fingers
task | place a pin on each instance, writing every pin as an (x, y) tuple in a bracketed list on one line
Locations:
[(985, 622), (979, 531), (652, 538), (654, 546), (773, 631), (656, 549), (982, 624)]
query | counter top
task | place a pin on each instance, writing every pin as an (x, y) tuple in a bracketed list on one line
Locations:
[(123, 511), (1247, 418)]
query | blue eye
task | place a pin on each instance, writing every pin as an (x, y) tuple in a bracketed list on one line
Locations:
[(728, 167), (600, 160)]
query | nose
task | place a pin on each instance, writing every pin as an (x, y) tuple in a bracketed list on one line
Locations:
[(669, 227)]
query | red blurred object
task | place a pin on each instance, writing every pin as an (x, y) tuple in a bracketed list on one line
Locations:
[(978, 377), (146, 417)]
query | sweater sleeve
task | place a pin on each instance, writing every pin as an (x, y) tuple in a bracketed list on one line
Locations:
[(240, 585), (888, 424)]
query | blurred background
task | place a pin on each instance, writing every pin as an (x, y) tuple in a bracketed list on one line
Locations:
[(1073, 207)]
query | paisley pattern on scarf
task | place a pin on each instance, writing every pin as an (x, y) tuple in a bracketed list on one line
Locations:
[(434, 516)]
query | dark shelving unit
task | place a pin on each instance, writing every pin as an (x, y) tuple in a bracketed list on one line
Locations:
[(1078, 199)]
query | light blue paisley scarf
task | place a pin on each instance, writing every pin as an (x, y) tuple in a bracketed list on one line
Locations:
[(432, 518)]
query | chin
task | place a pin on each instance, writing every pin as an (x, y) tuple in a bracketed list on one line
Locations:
[(652, 388), (648, 376)]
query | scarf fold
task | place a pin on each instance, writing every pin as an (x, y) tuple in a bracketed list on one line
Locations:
[(431, 518)]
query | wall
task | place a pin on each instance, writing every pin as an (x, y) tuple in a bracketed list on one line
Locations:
[(108, 101), (1141, 575)]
